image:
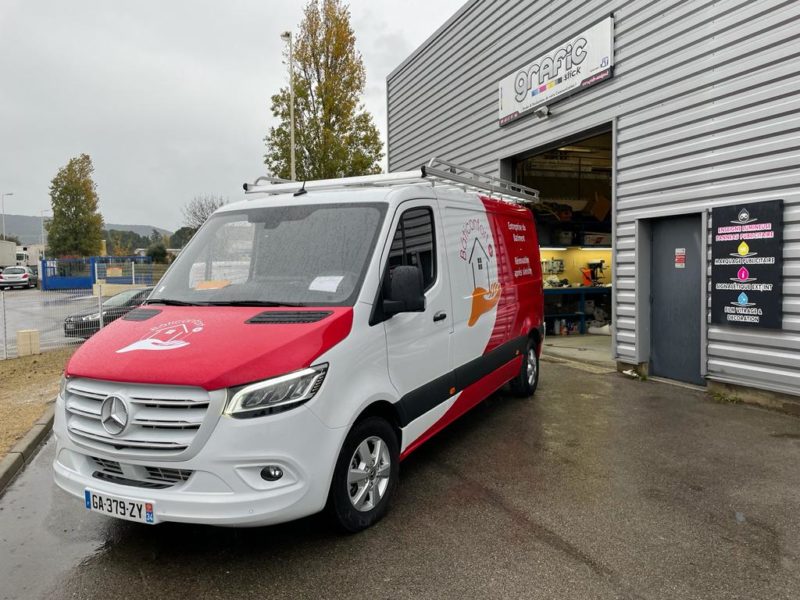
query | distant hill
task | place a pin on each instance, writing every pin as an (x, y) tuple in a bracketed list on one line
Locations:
[(29, 229)]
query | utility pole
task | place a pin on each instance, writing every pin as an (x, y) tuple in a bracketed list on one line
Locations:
[(286, 36), (41, 222), (3, 209)]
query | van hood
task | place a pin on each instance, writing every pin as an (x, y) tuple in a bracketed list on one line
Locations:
[(211, 347)]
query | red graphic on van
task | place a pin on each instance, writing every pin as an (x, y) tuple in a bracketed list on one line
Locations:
[(486, 289)]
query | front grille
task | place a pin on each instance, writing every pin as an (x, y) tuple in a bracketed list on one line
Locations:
[(108, 466), (162, 420), (170, 476), (138, 476), (102, 476)]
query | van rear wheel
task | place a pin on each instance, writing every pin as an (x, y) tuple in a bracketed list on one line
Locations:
[(524, 384), (366, 475)]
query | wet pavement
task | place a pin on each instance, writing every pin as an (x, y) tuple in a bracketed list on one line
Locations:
[(599, 487), (593, 349)]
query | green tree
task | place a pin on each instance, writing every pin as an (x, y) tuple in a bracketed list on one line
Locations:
[(76, 228), (181, 237), (123, 243), (156, 237), (334, 134), (158, 252), (11, 238)]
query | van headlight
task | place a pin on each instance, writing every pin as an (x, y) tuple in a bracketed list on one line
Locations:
[(276, 394)]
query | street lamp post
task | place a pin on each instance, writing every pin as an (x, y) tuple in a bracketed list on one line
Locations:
[(3, 209), (41, 222), (286, 36)]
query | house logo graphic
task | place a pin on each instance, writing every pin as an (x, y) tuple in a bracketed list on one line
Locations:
[(166, 336), (478, 252)]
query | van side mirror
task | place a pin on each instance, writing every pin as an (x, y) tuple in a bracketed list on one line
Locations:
[(405, 291)]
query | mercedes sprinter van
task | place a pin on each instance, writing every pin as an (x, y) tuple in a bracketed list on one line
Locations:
[(304, 342)]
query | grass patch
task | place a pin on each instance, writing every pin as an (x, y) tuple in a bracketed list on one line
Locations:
[(723, 398)]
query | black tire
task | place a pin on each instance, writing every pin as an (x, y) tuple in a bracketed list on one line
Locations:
[(524, 384), (342, 510)]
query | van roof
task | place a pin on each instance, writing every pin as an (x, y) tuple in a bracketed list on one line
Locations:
[(390, 195), (435, 172)]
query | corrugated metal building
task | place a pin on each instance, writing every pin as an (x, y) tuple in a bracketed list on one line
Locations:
[(702, 110)]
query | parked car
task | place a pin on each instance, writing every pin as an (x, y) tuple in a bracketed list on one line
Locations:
[(87, 323), (299, 347), (20, 277)]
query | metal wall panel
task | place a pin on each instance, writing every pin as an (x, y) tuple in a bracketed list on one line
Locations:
[(706, 98)]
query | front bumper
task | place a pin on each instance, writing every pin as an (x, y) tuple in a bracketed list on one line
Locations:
[(82, 329), (225, 487)]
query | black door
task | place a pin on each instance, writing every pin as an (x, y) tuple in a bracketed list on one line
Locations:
[(675, 310)]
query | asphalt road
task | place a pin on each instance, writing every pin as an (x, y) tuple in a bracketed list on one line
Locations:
[(599, 487), (44, 311)]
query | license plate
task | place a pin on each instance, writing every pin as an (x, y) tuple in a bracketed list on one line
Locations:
[(70, 325), (122, 508)]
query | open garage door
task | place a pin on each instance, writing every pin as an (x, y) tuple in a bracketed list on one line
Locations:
[(574, 178)]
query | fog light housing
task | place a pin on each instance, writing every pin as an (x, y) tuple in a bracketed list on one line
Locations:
[(271, 473)]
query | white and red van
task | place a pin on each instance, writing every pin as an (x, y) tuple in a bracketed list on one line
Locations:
[(300, 346)]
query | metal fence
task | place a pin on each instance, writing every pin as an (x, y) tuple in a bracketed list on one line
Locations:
[(129, 273), (31, 318)]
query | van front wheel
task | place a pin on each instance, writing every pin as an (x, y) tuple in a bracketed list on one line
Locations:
[(366, 475), (524, 384)]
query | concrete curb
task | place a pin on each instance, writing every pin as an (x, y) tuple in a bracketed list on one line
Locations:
[(24, 450)]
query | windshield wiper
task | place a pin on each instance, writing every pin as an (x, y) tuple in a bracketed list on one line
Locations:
[(171, 302), (253, 303)]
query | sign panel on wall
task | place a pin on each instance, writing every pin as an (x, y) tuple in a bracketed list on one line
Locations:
[(747, 265), (578, 63)]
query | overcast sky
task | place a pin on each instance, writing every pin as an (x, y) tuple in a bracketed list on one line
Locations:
[(170, 98)]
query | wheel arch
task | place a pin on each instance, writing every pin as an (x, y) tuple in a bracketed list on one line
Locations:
[(385, 410)]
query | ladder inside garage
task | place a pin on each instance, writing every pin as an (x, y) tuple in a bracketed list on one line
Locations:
[(435, 172)]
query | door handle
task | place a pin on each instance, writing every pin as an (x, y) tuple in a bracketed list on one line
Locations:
[(439, 316)]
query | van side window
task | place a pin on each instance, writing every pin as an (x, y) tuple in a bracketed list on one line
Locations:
[(413, 244)]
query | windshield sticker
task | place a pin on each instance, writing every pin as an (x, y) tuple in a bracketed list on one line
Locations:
[(166, 336), (325, 283), (212, 284)]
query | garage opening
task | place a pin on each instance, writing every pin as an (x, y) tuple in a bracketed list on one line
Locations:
[(574, 178)]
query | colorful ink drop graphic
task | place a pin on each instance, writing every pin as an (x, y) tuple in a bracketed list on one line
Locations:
[(743, 274), (743, 299), (743, 249)]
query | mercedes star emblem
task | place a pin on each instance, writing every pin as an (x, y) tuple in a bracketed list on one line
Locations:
[(114, 415)]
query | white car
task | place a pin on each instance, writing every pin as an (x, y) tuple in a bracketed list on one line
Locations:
[(21, 277)]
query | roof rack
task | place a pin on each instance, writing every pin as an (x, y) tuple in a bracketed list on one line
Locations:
[(435, 171)]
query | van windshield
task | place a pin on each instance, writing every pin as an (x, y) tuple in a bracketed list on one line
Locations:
[(304, 255)]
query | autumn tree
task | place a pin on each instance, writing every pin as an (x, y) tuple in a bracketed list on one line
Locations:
[(334, 134), (199, 208), (76, 228)]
